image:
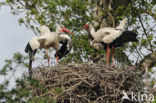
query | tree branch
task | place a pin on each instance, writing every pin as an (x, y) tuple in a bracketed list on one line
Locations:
[(145, 33)]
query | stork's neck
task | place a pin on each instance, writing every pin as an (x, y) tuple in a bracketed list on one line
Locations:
[(92, 31), (57, 30)]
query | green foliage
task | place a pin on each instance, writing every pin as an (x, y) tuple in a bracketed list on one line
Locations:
[(22, 94), (154, 99), (12, 64), (20, 21)]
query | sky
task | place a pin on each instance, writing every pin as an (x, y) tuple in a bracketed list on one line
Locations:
[(13, 38)]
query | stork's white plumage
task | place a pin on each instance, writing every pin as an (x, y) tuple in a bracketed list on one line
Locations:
[(106, 35), (46, 40), (35, 42), (110, 36), (43, 30)]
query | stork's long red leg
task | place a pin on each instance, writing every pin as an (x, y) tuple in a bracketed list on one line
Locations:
[(113, 55), (107, 54), (56, 57), (48, 57)]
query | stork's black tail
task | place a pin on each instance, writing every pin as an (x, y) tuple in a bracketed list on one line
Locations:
[(129, 36), (31, 53), (126, 36), (28, 48)]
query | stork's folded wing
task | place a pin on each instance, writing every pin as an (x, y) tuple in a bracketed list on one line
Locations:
[(35, 42)]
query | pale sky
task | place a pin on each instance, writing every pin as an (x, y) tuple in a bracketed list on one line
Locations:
[(13, 36)]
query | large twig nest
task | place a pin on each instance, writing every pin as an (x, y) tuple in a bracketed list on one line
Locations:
[(85, 83)]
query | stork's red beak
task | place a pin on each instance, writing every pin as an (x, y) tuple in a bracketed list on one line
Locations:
[(86, 26), (67, 31)]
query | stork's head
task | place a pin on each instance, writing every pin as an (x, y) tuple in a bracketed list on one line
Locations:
[(62, 29), (87, 26), (44, 29)]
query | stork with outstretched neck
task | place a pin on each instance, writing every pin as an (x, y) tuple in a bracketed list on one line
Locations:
[(46, 40), (105, 38)]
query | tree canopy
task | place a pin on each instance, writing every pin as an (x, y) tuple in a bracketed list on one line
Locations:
[(73, 14)]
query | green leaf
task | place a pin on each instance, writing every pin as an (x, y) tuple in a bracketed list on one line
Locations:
[(8, 1), (20, 21), (143, 42), (4, 69)]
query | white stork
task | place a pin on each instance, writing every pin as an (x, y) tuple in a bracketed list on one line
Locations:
[(110, 37), (64, 39), (46, 40)]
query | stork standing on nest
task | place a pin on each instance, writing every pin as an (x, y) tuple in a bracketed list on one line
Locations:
[(110, 37), (46, 40)]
